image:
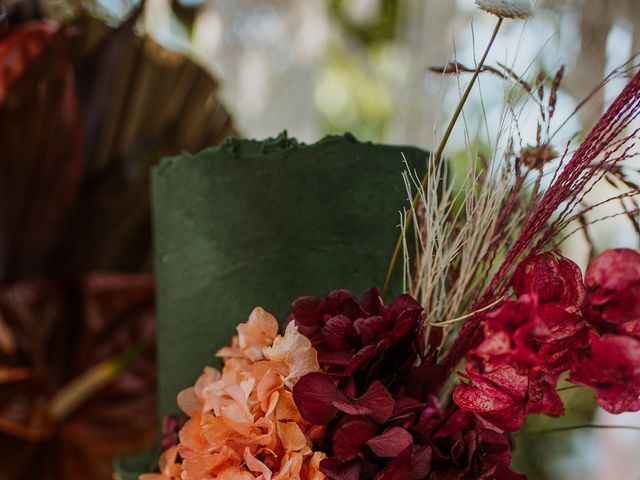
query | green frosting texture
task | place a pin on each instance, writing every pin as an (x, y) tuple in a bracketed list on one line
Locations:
[(253, 223)]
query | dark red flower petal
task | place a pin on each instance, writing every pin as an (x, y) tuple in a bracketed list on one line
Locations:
[(376, 402), (613, 281), (613, 270), (506, 474), (612, 369), (391, 442), (315, 395), (303, 312), (333, 358), (542, 396), (334, 469), (338, 333), (362, 358), (371, 301), (351, 436), (370, 328), (552, 278), (420, 460), (499, 396), (405, 406), (398, 468)]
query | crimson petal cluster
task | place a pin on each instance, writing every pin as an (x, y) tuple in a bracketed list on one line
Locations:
[(526, 343), (611, 365), (558, 323)]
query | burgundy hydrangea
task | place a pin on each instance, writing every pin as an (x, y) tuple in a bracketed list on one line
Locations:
[(530, 336), (352, 336), (381, 425), (466, 447), (364, 348), (611, 363), (376, 393)]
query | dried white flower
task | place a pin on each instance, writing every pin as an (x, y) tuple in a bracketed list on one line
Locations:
[(520, 9)]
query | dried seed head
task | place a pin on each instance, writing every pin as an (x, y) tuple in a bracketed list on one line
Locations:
[(519, 9), (537, 157)]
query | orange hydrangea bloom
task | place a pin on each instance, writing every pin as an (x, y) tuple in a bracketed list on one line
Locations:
[(244, 424)]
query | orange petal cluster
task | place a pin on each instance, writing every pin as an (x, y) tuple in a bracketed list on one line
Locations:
[(244, 424)]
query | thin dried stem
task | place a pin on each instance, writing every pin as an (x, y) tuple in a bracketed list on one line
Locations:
[(577, 427), (438, 154)]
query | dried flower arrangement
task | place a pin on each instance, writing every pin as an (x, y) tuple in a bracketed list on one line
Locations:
[(368, 389)]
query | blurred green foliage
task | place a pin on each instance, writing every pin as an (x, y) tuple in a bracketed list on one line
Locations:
[(541, 456), (353, 91)]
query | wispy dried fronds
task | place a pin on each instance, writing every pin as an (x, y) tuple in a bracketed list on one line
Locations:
[(469, 238), (606, 146), (455, 237)]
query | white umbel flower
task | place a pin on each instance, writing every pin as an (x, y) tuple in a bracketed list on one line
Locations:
[(519, 9)]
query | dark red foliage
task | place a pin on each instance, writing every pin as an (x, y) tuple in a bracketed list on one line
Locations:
[(612, 369), (50, 333)]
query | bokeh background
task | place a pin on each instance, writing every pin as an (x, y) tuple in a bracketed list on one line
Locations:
[(182, 74)]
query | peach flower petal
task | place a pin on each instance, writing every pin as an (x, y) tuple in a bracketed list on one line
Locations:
[(296, 351), (244, 424), (256, 465)]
